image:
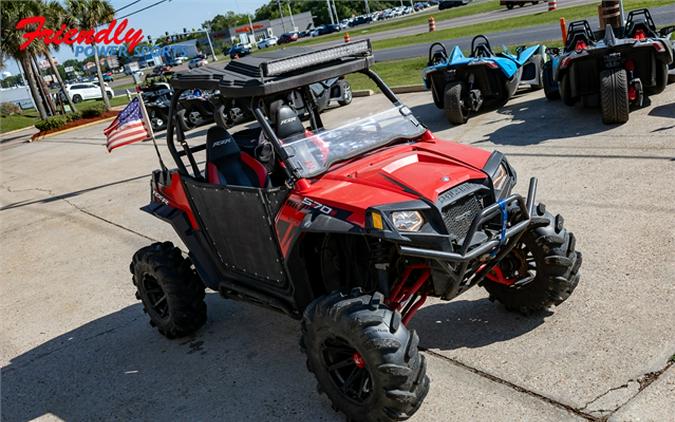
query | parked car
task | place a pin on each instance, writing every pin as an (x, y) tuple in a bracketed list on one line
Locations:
[(161, 69), (267, 42), (325, 30), (510, 4), (238, 50), (86, 91), (178, 60), (288, 37), (197, 62), (108, 77), (447, 4)]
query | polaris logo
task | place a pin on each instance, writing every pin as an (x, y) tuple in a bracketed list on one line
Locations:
[(222, 142), (289, 120)]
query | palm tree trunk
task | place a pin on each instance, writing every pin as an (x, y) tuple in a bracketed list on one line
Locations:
[(43, 88), (30, 80), (101, 84), (55, 69)]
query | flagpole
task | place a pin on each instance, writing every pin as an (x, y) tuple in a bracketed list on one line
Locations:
[(148, 126)]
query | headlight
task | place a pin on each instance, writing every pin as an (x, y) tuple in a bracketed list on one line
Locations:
[(500, 178), (407, 221)]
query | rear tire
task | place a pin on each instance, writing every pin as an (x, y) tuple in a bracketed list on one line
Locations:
[(556, 267), (550, 86), (661, 79), (365, 360), (566, 91), (540, 70), (437, 101), (77, 98), (452, 103), (346, 93), (171, 292), (614, 96)]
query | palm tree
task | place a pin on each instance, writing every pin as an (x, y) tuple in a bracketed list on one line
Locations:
[(11, 39), (88, 14), (55, 15)]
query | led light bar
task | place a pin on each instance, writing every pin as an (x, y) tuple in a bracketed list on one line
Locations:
[(288, 64)]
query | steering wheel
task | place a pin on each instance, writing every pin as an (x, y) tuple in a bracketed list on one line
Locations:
[(436, 57), (480, 47)]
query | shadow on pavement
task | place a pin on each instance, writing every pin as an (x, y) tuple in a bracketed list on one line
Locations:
[(666, 110), (245, 364), (539, 120), (528, 123), (471, 324)]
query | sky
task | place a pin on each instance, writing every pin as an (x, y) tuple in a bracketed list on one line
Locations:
[(171, 16)]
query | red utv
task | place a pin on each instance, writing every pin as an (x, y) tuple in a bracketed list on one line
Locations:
[(348, 227)]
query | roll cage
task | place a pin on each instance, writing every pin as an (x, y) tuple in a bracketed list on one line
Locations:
[(253, 82)]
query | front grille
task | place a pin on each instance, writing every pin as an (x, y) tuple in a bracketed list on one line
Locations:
[(459, 215)]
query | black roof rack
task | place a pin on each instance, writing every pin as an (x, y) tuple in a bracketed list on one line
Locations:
[(278, 71)]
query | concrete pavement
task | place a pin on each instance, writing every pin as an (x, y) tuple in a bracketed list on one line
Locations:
[(75, 344)]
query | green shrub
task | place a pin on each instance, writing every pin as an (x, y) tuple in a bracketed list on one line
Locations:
[(74, 115), (93, 111), (7, 109), (53, 122)]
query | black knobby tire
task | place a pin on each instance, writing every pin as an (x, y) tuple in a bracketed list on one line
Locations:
[(565, 90), (347, 95), (551, 250), (614, 96), (183, 121), (438, 101), (538, 61), (171, 292), (661, 79), (392, 383), (550, 86), (452, 103)]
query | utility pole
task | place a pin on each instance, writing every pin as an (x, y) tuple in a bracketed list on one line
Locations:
[(330, 12), (281, 14), (337, 18), (290, 13), (208, 38), (623, 16), (250, 26), (367, 7)]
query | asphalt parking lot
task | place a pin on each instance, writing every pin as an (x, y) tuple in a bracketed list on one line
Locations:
[(75, 344)]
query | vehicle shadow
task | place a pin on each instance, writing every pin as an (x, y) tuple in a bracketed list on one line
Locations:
[(470, 324), (530, 122), (538, 120), (245, 364)]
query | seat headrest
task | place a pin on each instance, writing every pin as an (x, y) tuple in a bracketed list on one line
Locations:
[(220, 144), (286, 121)]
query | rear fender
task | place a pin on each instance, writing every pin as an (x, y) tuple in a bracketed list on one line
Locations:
[(166, 188)]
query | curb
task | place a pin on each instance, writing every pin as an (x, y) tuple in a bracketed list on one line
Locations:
[(403, 89), (3, 134), (362, 93), (407, 89), (70, 129)]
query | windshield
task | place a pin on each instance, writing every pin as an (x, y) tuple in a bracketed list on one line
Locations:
[(316, 152)]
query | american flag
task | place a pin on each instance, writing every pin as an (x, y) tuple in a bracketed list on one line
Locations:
[(127, 128)]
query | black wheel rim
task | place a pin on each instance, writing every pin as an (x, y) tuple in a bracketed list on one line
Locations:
[(156, 297), (520, 264), (347, 369)]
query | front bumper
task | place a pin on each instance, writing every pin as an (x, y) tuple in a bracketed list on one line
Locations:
[(513, 205)]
